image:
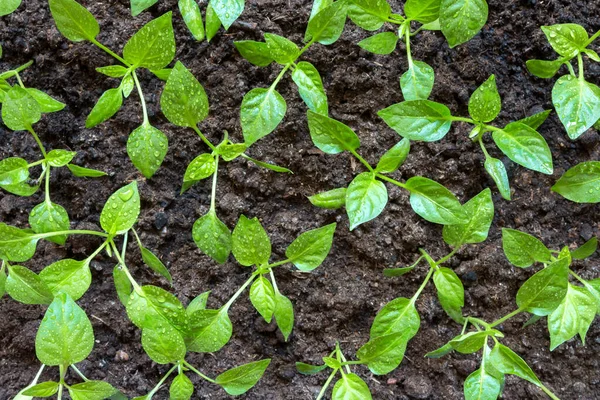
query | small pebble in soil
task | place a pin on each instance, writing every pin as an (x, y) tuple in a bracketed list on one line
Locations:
[(121, 356), (417, 386), (392, 381), (287, 373), (160, 220)]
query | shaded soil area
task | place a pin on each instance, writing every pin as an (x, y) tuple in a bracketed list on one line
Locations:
[(339, 300)]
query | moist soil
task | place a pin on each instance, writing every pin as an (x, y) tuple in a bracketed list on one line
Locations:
[(338, 301)]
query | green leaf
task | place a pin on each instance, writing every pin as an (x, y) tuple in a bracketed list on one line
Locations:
[(393, 158), (573, 316), (155, 264), (190, 12), (566, 39), (310, 249), (399, 315), (108, 104), (114, 71), (482, 385), (181, 388), (284, 315), (46, 102), (147, 148), (417, 82), (2, 281), (262, 296), (127, 85), (577, 103), (460, 20), (231, 151), (434, 202), (327, 26), (270, 166), (153, 46), (210, 330), (73, 20), (200, 168), (50, 217), (183, 101), (497, 171), (366, 198), (15, 244), (524, 146), (581, 183), (122, 285), (332, 363), (418, 119), (586, 250), (451, 292), (332, 199), (92, 390), (480, 212), (198, 303), (137, 6), (121, 210), (9, 6), (369, 14), (250, 242), (329, 135), (424, 11), (543, 292), (240, 379), (544, 68), (308, 369), (13, 170), (82, 172), (65, 335), (60, 158), (307, 79), (20, 110), (26, 287), (69, 276), (22, 188), (351, 387), (162, 74), (395, 272), (213, 237), (381, 43), (227, 10), (281, 50), (441, 352), (485, 103), (471, 342), (507, 361), (44, 389), (383, 354), (163, 343), (522, 249), (155, 305), (255, 52), (317, 7), (213, 23), (261, 111)]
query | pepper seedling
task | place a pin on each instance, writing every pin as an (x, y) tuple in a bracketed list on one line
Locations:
[(577, 101), (428, 121), (263, 109), (65, 338), (458, 20), (152, 48), (580, 183), (366, 196), (21, 108), (218, 13)]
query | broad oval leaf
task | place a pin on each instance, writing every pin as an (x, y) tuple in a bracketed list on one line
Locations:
[(351, 387), (369, 14), (482, 385), (543, 292), (227, 11), (108, 104), (507, 361), (366, 198), (544, 68), (417, 82), (424, 11), (525, 146), (327, 26), (46, 102), (250, 243), (331, 199), (485, 102), (399, 315), (181, 388), (121, 211), (13, 170), (434, 202), (147, 148), (50, 217), (573, 316), (8, 7), (282, 51), (522, 249), (418, 119), (163, 343), (308, 80), (460, 20), (73, 20), (60, 158), (92, 390), (200, 168), (213, 237), (239, 380), (153, 46), (44, 389), (577, 104), (311, 248), (329, 135), (480, 213), (26, 286), (381, 43), (451, 292), (69, 276), (383, 354), (262, 297), (284, 315), (210, 330), (183, 101), (566, 39), (155, 305), (16, 244), (255, 52), (261, 112), (581, 183), (394, 157), (19, 109)]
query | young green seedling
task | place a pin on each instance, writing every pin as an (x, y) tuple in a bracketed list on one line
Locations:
[(218, 12), (458, 20), (251, 246), (263, 109), (65, 338), (366, 196), (580, 183), (428, 121), (152, 48), (576, 100)]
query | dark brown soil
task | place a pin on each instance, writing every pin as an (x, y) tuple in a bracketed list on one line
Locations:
[(339, 300)]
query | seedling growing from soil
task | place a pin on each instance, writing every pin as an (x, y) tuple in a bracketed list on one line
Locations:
[(576, 100), (458, 20), (366, 196), (428, 121), (263, 109), (252, 247), (218, 12), (152, 48), (65, 338)]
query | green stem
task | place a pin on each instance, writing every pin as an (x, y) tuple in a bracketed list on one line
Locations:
[(121, 260), (580, 279), (204, 139), (326, 385), (19, 80), (279, 77), (142, 100), (33, 164), (213, 194), (407, 40), (278, 263), (344, 361), (274, 282), (59, 233), (79, 373), (237, 294), (159, 384), (594, 37), (447, 257), (487, 155), (37, 140), (548, 392), (306, 46), (362, 160), (462, 119), (393, 181), (62, 380), (505, 318), (47, 186), (19, 69), (200, 374), (109, 51), (580, 65), (422, 287), (570, 67)]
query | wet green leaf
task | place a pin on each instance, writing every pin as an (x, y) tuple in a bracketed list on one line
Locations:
[(460, 20), (92, 390), (327, 26), (190, 12), (525, 146), (543, 292), (73, 20), (577, 103), (369, 14), (183, 101), (311, 248), (50, 217), (585, 250), (210, 330), (399, 315), (200, 168), (250, 243), (147, 148), (20, 110), (381, 43), (213, 237), (485, 103), (26, 287), (308, 80), (227, 10), (240, 379), (262, 296), (480, 213), (332, 199), (108, 104), (153, 46), (566, 39), (418, 119), (256, 53), (351, 387), (163, 343), (121, 211), (261, 112), (581, 183), (434, 202), (69, 276), (281, 50), (366, 198), (424, 11), (522, 249), (394, 157), (181, 388), (329, 135), (451, 292), (544, 68), (284, 315), (383, 354), (417, 82)]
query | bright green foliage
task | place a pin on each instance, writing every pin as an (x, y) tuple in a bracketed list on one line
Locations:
[(581, 183), (577, 101), (239, 380), (121, 210), (366, 196), (9, 6), (184, 101), (74, 21), (428, 121)]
